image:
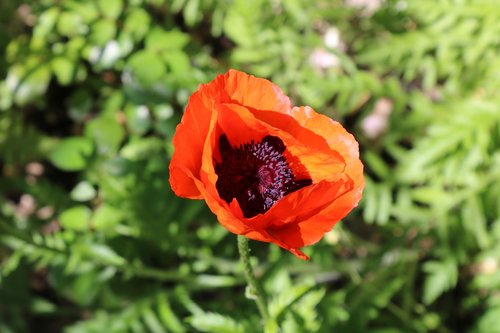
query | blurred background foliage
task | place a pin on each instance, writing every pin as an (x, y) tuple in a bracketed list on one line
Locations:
[(93, 240)]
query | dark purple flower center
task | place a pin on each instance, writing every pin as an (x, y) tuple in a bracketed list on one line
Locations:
[(256, 174)]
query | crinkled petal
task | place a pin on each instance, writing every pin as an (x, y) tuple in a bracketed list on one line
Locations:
[(296, 230), (222, 211), (343, 142), (241, 126), (310, 229), (189, 140), (301, 205), (252, 92)]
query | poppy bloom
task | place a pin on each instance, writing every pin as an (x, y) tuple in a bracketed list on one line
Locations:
[(268, 170)]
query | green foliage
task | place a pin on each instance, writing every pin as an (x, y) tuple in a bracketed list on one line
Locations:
[(92, 239)]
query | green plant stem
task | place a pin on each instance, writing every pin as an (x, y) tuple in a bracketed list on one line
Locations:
[(254, 287)]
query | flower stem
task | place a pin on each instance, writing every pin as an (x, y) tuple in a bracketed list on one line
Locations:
[(254, 287)]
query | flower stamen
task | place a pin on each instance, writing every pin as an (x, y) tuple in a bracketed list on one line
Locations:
[(256, 174)]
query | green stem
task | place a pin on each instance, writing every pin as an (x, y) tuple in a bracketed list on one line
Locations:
[(254, 287)]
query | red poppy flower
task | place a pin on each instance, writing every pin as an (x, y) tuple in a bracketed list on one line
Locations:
[(269, 171)]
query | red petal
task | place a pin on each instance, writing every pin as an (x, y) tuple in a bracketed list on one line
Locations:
[(340, 140), (257, 93), (189, 139), (264, 236), (310, 230), (242, 126)]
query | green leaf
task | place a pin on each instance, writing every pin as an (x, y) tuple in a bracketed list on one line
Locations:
[(297, 11), (71, 23), (240, 26), (146, 66), (72, 154), (6, 97), (86, 9), (105, 253), (441, 276), (46, 22), (107, 55), (192, 12), (178, 63), (284, 300), (158, 39), (111, 8), (75, 218), (137, 23), (152, 321), (216, 323), (83, 191), (83, 291), (106, 217), (43, 306), (164, 123), (106, 132), (102, 31), (80, 104), (167, 316), (138, 118), (377, 164), (29, 81), (64, 69), (488, 322), (141, 149)]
